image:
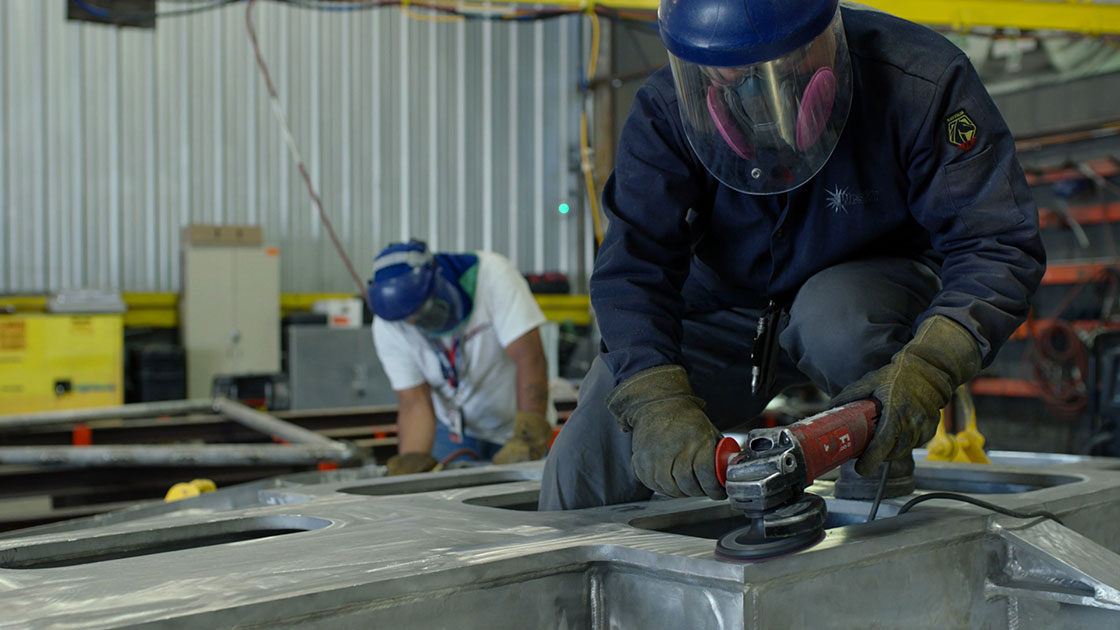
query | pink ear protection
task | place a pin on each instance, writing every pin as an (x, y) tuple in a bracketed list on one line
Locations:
[(726, 125), (816, 107), (812, 115)]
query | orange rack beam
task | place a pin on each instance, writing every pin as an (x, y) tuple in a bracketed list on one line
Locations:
[(1072, 273), (1085, 215), (1010, 387), (1104, 168)]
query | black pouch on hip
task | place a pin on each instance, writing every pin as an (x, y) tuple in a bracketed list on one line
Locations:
[(765, 349)]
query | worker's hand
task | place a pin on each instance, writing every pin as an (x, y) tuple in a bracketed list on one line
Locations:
[(674, 443), (531, 433), (913, 388), (408, 463)]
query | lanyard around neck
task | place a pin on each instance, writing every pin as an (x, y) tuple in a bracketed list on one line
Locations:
[(447, 360)]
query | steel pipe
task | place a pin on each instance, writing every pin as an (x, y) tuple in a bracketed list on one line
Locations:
[(268, 425), (177, 455), (137, 410)]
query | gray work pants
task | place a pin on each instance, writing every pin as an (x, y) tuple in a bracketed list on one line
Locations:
[(844, 322)]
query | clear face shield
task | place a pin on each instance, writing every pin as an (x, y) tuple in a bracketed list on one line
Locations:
[(432, 317), (768, 127), (441, 313)]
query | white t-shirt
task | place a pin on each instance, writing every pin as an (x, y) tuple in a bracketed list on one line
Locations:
[(485, 402)]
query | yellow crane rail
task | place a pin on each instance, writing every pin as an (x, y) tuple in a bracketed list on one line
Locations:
[(1094, 18), (161, 310), (1079, 16)]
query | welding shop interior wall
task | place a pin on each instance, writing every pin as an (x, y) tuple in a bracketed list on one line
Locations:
[(461, 133)]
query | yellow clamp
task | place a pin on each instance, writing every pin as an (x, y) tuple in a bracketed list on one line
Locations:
[(967, 446), (188, 489)]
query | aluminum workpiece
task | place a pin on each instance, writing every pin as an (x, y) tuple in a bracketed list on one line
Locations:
[(464, 548)]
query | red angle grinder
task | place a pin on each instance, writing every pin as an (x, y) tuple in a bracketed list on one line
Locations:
[(766, 481)]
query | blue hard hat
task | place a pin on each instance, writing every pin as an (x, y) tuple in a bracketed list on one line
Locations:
[(740, 32), (409, 285), (403, 278)]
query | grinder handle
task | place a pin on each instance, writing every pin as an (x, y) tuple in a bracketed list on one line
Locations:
[(836, 436)]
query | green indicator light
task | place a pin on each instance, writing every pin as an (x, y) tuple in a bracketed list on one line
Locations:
[(564, 208)]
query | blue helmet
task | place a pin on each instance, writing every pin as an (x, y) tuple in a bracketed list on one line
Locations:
[(408, 285), (740, 32), (764, 86)]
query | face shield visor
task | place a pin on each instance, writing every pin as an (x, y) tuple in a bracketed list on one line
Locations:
[(442, 312), (768, 127)]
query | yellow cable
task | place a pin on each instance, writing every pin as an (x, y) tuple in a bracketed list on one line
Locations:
[(423, 17), (584, 5), (585, 145)]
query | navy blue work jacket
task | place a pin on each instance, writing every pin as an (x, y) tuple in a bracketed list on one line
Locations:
[(903, 181)]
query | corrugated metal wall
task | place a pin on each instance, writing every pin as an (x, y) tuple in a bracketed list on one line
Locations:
[(463, 134)]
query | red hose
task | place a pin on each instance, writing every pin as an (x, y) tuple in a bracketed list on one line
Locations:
[(1060, 363), (454, 454)]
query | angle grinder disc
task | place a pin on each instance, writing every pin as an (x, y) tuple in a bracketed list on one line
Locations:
[(792, 527), (740, 546)]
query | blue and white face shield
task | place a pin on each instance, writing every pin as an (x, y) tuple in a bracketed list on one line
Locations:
[(768, 127)]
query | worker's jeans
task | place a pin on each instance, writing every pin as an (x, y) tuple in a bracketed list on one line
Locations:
[(844, 322), (446, 443)]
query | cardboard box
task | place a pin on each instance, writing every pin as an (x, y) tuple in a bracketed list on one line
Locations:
[(222, 235)]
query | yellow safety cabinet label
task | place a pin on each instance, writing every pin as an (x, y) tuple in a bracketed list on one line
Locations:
[(50, 362)]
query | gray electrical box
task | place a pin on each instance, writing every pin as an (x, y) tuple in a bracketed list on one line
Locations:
[(335, 367)]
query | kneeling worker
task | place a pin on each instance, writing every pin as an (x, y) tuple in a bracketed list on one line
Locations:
[(458, 337), (836, 173)]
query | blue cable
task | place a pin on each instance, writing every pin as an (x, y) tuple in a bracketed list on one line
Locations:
[(88, 8)]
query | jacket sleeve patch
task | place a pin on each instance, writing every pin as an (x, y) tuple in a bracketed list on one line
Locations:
[(962, 131)]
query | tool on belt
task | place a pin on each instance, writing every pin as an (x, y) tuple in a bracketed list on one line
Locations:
[(766, 480), (765, 349)]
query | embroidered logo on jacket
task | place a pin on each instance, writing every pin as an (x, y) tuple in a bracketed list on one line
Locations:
[(962, 131), (839, 199)]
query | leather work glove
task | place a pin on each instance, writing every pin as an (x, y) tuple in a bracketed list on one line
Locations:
[(913, 388), (674, 443), (408, 463), (531, 433)]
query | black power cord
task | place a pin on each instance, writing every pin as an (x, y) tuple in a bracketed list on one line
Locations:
[(953, 496), (879, 492)]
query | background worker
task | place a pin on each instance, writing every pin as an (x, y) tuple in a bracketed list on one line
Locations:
[(847, 166), (458, 337)]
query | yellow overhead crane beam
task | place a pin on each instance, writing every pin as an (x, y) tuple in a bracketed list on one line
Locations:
[(161, 310), (1094, 18), (1079, 16)]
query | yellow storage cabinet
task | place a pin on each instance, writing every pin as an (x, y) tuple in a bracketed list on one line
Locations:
[(51, 362)]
